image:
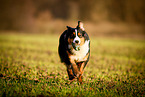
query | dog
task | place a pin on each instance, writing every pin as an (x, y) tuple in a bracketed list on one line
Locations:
[(74, 50)]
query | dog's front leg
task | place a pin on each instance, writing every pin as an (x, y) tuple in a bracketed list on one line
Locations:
[(75, 70), (70, 72), (74, 67), (81, 68)]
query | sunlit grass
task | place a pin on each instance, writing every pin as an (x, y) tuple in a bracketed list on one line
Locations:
[(30, 66)]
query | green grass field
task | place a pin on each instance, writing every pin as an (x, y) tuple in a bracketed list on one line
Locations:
[(30, 66)]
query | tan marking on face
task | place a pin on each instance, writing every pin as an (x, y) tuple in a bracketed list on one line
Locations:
[(74, 33), (82, 41), (70, 41), (79, 34)]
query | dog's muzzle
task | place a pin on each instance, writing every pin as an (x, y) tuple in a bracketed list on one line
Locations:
[(76, 46)]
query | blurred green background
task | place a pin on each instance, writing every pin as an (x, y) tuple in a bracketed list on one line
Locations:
[(29, 35), (121, 18)]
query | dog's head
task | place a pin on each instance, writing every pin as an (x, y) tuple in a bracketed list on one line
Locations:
[(76, 36)]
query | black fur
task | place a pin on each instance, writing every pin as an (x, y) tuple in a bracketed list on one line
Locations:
[(63, 48)]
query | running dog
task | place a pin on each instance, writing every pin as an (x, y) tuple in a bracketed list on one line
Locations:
[(74, 50)]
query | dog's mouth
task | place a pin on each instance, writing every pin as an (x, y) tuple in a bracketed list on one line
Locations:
[(76, 46)]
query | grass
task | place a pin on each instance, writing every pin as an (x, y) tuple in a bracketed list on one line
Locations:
[(30, 66)]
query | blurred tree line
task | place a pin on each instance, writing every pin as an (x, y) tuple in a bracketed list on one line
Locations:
[(21, 14)]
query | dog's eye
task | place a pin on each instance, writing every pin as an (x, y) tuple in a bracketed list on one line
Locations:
[(79, 34), (72, 36)]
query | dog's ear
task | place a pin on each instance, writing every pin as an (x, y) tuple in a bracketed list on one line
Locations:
[(68, 27), (80, 25)]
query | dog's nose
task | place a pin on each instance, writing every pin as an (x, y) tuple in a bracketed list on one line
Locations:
[(76, 41)]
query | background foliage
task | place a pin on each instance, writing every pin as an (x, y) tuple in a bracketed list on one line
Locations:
[(125, 16), (29, 35)]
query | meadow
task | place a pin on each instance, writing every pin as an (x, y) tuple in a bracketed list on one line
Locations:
[(30, 66)]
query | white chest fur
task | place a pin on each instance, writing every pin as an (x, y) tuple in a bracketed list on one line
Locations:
[(79, 55)]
